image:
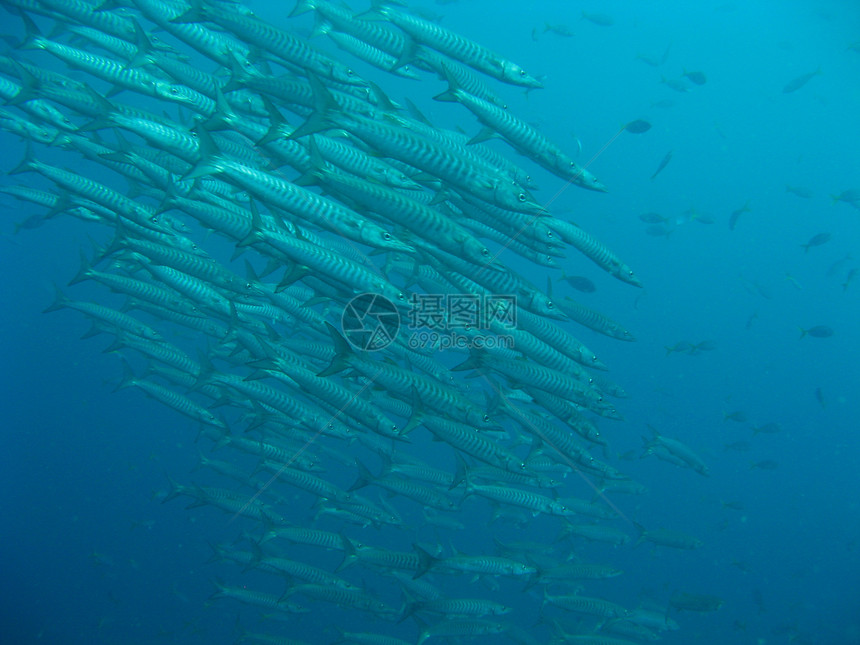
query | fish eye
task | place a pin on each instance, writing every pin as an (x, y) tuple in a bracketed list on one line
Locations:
[(486, 418), (174, 91), (549, 304), (386, 236), (485, 252), (521, 197), (400, 296), (522, 72)]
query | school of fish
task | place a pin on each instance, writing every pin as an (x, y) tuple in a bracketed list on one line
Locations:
[(376, 301)]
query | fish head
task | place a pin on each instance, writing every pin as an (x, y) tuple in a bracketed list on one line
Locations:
[(513, 197), (584, 179), (542, 305), (378, 238), (345, 75), (515, 74)]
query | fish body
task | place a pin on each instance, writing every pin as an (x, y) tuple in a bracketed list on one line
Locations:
[(797, 83)]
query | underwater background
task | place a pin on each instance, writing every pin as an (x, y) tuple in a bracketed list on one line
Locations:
[(88, 553)]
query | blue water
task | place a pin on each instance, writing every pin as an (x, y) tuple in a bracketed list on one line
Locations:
[(88, 553)]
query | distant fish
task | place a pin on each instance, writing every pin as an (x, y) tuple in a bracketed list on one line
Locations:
[(675, 84), (819, 396), (767, 428), (851, 197), (698, 78), (738, 446), (819, 331), (663, 164), (559, 30), (681, 347), (794, 283), (653, 218), (704, 346), (638, 126), (658, 230), (800, 81), (736, 214), (850, 278), (695, 602), (799, 191), (839, 266), (580, 283), (766, 464), (738, 416), (600, 19), (655, 62), (817, 240)]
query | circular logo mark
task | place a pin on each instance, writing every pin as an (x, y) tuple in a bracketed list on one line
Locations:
[(370, 322)]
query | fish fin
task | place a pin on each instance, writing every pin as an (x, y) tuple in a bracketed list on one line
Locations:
[(343, 353), (209, 154), (365, 477)]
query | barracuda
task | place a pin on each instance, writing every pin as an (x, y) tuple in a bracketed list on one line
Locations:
[(525, 139), (456, 46)]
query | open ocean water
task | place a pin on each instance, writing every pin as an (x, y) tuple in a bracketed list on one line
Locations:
[(88, 553)]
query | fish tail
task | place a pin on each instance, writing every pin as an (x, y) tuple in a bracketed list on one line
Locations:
[(83, 272), (303, 6), (60, 301)]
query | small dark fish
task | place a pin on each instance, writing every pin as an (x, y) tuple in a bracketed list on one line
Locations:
[(738, 446), (695, 602), (733, 218), (819, 396), (681, 346), (658, 230), (698, 78), (800, 81), (653, 218), (675, 84), (849, 197), (662, 165), (599, 19), (735, 506), (704, 346), (580, 283), (838, 266), (655, 62), (817, 240), (850, 278), (767, 464), (767, 428), (751, 320), (558, 30), (819, 331), (637, 127), (738, 415), (799, 191), (701, 218)]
